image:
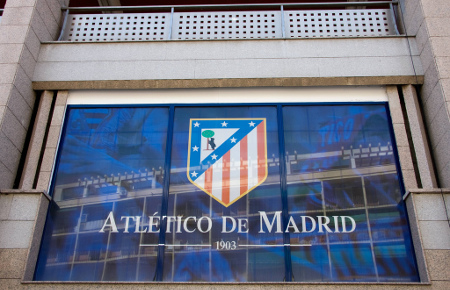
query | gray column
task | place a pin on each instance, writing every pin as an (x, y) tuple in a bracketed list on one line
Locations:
[(37, 140), (419, 140), (24, 25), (428, 21)]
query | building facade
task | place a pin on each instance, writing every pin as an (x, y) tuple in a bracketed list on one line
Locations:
[(127, 160)]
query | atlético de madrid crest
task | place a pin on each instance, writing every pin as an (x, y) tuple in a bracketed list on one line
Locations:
[(227, 157)]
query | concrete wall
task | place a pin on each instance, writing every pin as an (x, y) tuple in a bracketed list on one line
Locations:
[(363, 61), (22, 214), (432, 211), (428, 20), (24, 25)]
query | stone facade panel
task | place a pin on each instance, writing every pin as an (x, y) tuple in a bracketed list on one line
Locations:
[(435, 235), (15, 234), (13, 262), (438, 262), (430, 207)]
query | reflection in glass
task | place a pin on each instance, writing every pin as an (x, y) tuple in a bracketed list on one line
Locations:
[(110, 161), (226, 252), (336, 214), (341, 163)]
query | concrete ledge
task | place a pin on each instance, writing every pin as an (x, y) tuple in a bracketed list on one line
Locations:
[(25, 191), (189, 64), (223, 83), (428, 191), (19, 191), (230, 285)]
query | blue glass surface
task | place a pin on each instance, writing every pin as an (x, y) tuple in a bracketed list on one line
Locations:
[(199, 256), (320, 200), (342, 163), (109, 162)]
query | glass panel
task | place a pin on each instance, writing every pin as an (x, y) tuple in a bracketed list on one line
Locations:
[(218, 189), (349, 222), (107, 183), (345, 217)]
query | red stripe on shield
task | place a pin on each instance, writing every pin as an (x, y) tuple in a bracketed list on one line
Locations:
[(208, 179), (226, 178), (244, 165), (261, 153)]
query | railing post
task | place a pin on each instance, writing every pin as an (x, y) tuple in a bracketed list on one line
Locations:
[(172, 10), (394, 18), (283, 26), (66, 14)]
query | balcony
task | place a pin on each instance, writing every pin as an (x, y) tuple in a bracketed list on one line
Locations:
[(249, 21), (107, 60)]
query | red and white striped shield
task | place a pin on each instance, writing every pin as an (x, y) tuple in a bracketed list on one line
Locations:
[(227, 157)]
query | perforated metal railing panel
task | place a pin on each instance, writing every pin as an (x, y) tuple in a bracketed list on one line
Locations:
[(117, 27), (229, 25), (338, 23)]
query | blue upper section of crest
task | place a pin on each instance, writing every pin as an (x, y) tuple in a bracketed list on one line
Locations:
[(244, 126)]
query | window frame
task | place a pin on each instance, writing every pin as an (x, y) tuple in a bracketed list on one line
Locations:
[(386, 103)]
